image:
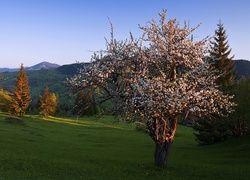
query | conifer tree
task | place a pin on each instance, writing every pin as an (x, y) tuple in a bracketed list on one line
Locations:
[(47, 103), (216, 130), (21, 96), (84, 105), (221, 59)]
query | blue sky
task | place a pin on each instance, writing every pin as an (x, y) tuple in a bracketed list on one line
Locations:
[(69, 31)]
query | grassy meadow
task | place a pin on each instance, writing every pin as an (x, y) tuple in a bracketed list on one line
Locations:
[(90, 148)]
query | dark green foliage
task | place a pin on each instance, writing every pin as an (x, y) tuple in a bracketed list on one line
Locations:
[(241, 117), (210, 131), (70, 69), (235, 125), (220, 58), (21, 96)]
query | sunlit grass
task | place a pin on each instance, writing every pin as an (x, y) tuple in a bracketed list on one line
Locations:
[(92, 148)]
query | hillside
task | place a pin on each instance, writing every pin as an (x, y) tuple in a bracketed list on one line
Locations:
[(38, 80), (90, 148), (51, 75), (242, 68)]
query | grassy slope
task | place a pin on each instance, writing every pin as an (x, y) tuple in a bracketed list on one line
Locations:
[(99, 149)]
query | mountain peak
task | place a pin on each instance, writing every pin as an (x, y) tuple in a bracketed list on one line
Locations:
[(43, 65)]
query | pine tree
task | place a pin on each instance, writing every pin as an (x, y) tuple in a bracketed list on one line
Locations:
[(220, 58), (21, 96), (212, 130), (47, 103)]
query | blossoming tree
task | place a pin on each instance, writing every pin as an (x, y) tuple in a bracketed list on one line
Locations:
[(156, 79)]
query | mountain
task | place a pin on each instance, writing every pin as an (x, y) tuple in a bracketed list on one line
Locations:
[(42, 65), (9, 69)]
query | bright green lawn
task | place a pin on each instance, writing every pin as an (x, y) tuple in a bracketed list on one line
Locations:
[(89, 148)]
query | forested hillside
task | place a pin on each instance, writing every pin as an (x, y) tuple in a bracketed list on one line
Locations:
[(54, 79), (39, 79)]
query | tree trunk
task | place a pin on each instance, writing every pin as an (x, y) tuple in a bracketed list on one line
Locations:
[(162, 153)]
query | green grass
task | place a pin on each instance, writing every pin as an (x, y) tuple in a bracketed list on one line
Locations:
[(90, 148)]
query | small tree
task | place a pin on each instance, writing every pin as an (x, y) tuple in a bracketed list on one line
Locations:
[(5, 100), (80, 102), (83, 103), (47, 104), (21, 96), (155, 79), (212, 130), (56, 101), (219, 55)]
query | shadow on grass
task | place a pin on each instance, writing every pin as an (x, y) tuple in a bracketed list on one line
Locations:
[(14, 120)]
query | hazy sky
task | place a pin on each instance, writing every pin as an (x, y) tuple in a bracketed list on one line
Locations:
[(69, 31)]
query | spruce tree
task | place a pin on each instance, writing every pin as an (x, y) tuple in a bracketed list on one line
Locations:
[(220, 58), (21, 96), (47, 103), (216, 129)]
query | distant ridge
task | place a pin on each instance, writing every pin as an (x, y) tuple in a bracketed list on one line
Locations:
[(42, 65), (242, 68), (9, 69)]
